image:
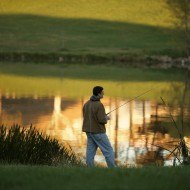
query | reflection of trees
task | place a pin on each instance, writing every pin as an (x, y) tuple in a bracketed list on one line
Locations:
[(151, 157), (0, 104), (0, 108), (131, 150), (62, 121), (151, 133), (24, 110), (180, 111), (158, 119), (143, 130), (131, 130), (182, 145), (185, 100), (116, 130)]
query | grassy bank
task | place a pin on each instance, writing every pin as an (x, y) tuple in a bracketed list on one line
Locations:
[(75, 81), (87, 27), (29, 177)]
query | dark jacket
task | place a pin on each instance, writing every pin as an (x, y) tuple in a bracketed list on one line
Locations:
[(94, 116)]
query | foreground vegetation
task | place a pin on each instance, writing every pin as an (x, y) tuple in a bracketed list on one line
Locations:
[(74, 81), (95, 27), (29, 146), (15, 177)]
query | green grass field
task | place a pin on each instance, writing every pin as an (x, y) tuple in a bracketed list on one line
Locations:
[(16, 177), (83, 26), (76, 81)]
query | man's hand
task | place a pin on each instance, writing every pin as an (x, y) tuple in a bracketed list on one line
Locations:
[(107, 117)]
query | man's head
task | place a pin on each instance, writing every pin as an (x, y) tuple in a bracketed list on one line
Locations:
[(98, 91)]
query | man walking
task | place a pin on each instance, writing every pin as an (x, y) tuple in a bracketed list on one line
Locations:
[(94, 120)]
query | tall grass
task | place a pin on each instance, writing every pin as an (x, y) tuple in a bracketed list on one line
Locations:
[(29, 146)]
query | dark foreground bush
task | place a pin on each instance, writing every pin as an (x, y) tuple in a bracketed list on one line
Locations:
[(29, 146)]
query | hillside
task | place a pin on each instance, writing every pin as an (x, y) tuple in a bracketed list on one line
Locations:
[(83, 26)]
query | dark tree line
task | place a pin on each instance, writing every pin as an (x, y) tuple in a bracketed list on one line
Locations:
[(181, 10)]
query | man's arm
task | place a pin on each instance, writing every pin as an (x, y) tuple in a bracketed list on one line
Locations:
[(83, 110), (101, 114)]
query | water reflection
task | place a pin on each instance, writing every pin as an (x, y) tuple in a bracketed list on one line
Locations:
[(133, 129)]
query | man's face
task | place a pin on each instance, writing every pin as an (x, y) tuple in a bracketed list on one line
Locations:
[(101, 95)]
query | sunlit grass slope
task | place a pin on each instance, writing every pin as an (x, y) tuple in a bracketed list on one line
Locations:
[(148, 12), (68, 26)]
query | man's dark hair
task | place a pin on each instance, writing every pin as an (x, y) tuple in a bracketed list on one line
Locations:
[(97, 90)]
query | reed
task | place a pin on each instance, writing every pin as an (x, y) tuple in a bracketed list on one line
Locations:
[(181, 151), (29, 146)]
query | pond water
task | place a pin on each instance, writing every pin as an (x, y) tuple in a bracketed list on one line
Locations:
[(134, 130)]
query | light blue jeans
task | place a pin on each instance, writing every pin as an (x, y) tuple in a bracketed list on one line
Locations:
[(95, 140)]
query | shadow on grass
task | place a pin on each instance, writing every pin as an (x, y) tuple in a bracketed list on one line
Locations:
[(35, 33)]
